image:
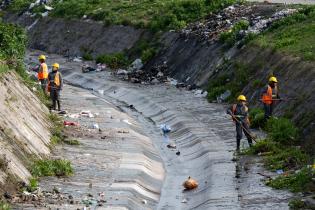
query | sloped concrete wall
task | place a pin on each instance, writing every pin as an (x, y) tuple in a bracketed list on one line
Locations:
[(24, 130)]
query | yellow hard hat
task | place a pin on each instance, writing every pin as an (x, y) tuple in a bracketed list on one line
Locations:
[(56, 65), (42, 57), (273, 79), (241, 98)]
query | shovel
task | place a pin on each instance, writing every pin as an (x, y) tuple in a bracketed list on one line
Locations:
[(244, 129)]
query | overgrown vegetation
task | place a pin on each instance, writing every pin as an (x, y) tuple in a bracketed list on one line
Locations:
[(114, 61), (293, 35), (282, 130), (50, 167), (280, 153), (257, 118), (296, 204), (157, 14), (233, 82), (13, 42), (4, 205), (234, 34), (295, 182), (56, 130), (71, 142)]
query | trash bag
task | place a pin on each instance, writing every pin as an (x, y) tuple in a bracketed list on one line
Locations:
[(190, 184)]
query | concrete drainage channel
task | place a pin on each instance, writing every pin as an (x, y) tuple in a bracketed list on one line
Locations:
[(202, 133)]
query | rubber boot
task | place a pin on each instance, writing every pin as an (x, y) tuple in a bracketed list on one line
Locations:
[(58, 102)]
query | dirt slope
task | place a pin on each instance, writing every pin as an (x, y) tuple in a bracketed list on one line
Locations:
[(24, 130)]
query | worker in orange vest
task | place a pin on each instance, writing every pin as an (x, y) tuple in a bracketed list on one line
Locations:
[(55, 84), (42, 72), (269, 96), (239, 113)]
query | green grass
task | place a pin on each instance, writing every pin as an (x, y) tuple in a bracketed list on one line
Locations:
[(296, 182), (71, 142), (56, 129), (235, 82), (277, 156), (154, 14), (114, 61), (293, 35), (4, 205), (33, 184), (296, 204), (50, 167), (13, 41), (232, 36), (282, 130), (257, 118)]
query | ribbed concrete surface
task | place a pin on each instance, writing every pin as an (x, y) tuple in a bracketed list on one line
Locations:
[(203, 134)]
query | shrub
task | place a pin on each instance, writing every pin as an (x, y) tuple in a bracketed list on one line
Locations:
[(4, 205), (87, 56), (51, 168), (257, 118), (233, 35), (282, 130), (263, 146), (33, 184), (214, 92), (286, 158), (13, 42), (296, 204), (114, 61), (297, 182)]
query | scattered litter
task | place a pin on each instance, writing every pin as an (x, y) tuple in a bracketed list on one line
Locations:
[(87, 114), (101, 67), (77, 59), (280, 171), (136, 65), (95, 126), (101, 92), (45, 14), (126, 121), (178, 153), (62, 112), (68, 123), (122, 72), (184, 200), (264, 153), (74, 116), (34, 89), (103, 137), (190, 184), (48, 8), (165, 129), (200, 93), (123, 131), (171, 146), (87, 68), (144, 201), (224, 96)]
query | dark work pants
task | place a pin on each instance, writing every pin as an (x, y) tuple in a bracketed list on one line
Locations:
[(239, 134), (43, 84), (55, 98), (268, 111)]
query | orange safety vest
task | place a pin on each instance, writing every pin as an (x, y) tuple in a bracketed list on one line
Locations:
[(267, 97), (56, 81), (234, 110), (43, 71)]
